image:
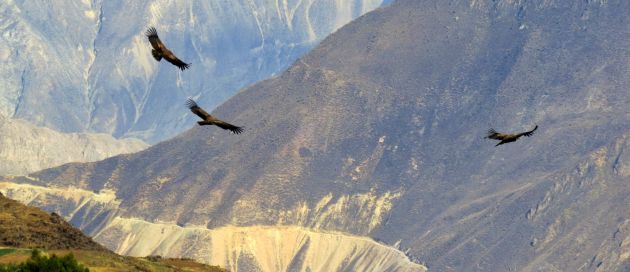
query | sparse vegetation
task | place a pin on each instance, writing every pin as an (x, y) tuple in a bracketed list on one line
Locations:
[(39, 262), (99, 261), (29, 227)]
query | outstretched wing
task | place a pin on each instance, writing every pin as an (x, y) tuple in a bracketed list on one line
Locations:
[(493, 134), (192, 105), (224, 125), (155, 40), (170, 57), (529, 133)]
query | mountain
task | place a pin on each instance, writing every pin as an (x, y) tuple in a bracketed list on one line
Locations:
[(25, 148), (86, 66), (378, 134)]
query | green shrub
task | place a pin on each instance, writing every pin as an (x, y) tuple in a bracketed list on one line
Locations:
[(41, 263), (5, 251), (8, 268)]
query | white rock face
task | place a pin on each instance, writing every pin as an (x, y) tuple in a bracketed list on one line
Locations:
[(25, 148), (85, 66), (253, 248), (257, 248)]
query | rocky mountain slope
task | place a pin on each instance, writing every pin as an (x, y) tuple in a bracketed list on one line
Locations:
[(99, 76), (378, 133), (25, 148)]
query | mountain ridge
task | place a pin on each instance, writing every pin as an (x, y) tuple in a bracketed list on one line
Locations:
[(25, 148)]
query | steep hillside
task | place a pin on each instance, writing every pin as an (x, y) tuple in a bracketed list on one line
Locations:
[(25, 148), (29, 227), (86, 66), (23, 227), (378, 133)]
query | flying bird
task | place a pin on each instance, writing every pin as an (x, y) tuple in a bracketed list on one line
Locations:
[(209, 119), (508, 138), (160, 51)]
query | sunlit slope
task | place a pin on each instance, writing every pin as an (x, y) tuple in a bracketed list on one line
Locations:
[(268, 248), (29, 227), (99, 261)]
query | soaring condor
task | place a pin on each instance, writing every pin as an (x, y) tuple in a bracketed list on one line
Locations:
[(209, 119), (160, 51), (508, 138)]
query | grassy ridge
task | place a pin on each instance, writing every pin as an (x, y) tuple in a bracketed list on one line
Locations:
[(23, 228), (100, 261)]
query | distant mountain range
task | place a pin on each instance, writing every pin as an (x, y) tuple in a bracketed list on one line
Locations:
[(25, 148), (377, 135), (86, 66)]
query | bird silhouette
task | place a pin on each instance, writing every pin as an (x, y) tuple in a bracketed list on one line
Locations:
[(508, 138), (160, 51), (209, 119)]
